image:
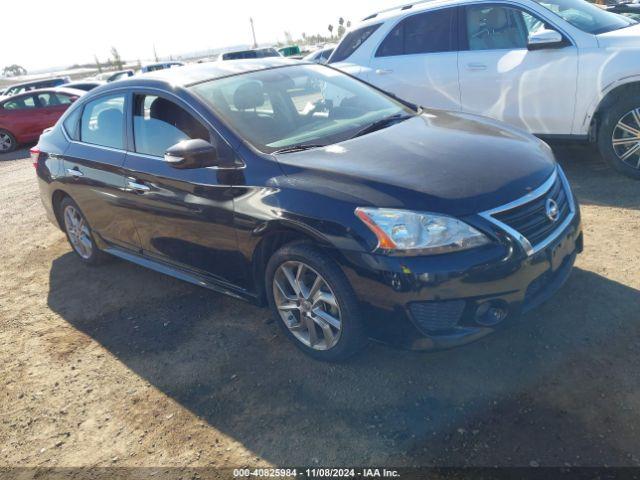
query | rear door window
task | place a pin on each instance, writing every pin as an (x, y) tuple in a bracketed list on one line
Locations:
[(428, 32), (103, 122), (352, 42), (50, 99), (64, 99)]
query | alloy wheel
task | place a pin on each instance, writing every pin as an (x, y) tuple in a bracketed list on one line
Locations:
[(78, 230), (626, 138), (6, 142), (307, 305)]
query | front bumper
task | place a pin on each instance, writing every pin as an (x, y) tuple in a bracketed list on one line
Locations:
[(442, 301)]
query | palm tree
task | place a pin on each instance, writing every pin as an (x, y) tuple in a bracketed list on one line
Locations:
[(340, 27), (331, 30)]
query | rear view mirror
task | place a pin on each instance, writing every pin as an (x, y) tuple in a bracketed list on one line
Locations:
[(545, 39), (196, 153)]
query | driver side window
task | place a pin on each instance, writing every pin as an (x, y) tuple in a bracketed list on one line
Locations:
[(159, 123), (496, 27)]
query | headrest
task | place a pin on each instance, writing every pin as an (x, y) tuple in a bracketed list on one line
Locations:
[(109, 117), (249, 95), (497, 18), (162, 109)]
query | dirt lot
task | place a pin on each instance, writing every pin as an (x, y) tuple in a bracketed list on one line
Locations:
[(122, 366)]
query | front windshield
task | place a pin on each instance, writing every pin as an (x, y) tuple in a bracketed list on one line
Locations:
[(586, 16), (296, 105)]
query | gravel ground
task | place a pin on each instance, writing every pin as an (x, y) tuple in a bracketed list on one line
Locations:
[(121, 366)]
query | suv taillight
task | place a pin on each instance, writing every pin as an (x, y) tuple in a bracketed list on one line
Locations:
[(35, 155)]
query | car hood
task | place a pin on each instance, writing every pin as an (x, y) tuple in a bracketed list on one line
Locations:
[(443, 162), (624, 37)]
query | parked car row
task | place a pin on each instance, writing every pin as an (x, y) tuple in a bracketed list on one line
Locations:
[(33, 85), (29, 108), (24, 116), (555, 68), (358, 217)]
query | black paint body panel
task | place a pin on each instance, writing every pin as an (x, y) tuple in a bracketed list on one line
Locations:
[(213, 224)]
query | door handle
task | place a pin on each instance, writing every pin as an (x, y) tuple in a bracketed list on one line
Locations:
[(74, 172), (383, 71), (133, 186), (476, 66)]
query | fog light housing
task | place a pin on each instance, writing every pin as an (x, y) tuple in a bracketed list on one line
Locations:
[(490, 314)]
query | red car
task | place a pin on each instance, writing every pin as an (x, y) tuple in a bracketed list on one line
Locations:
[(23, 117)]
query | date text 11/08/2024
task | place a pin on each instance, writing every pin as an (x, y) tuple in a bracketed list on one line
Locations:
[(316, 472)]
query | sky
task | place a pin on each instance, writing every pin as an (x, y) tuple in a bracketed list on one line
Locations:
[(59, 35)]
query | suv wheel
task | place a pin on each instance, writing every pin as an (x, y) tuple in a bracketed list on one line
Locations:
[(619, 136), (79, 233), (7, 142), (314, 302)]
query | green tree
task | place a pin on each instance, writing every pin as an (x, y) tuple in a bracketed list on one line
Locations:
[(117, 61), (95, 57), (14, 70)]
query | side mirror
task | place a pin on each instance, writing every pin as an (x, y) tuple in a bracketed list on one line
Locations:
[(545, 39), (194, 153)]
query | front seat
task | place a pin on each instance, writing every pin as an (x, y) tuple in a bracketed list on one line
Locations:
[(246, 99)]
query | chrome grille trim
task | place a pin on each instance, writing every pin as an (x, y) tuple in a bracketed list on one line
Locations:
[(533, 195)]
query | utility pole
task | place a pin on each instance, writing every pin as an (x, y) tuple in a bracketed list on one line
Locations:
[(253, 32)]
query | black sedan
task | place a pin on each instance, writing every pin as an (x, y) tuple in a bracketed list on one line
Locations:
[(352, 214)]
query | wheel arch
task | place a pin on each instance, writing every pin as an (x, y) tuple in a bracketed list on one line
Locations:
[(274, 236), (617, 91), (56, 199)]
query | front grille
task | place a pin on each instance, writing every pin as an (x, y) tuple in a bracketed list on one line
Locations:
[(531, 220), (433, 317)]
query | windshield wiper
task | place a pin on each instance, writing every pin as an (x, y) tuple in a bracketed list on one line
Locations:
[(298, 148), (382, 123)]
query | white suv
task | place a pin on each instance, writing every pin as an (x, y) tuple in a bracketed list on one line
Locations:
[(556, 68)]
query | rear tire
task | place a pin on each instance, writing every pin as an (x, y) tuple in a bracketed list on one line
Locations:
[(619, 136), (79, 233), (8, 142), (314, 303)]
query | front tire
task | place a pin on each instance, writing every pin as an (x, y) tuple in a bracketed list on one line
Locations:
[(79, 233), (8, 142), (619, 136), (314, 303)]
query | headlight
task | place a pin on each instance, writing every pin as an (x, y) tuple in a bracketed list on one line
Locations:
[(415, 233)]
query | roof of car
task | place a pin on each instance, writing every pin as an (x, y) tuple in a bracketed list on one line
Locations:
[(31, 82), (83, 82), (200, 72), (60, 89), (404, 9)]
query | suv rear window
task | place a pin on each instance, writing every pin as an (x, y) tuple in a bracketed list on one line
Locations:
[(352, 42)]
